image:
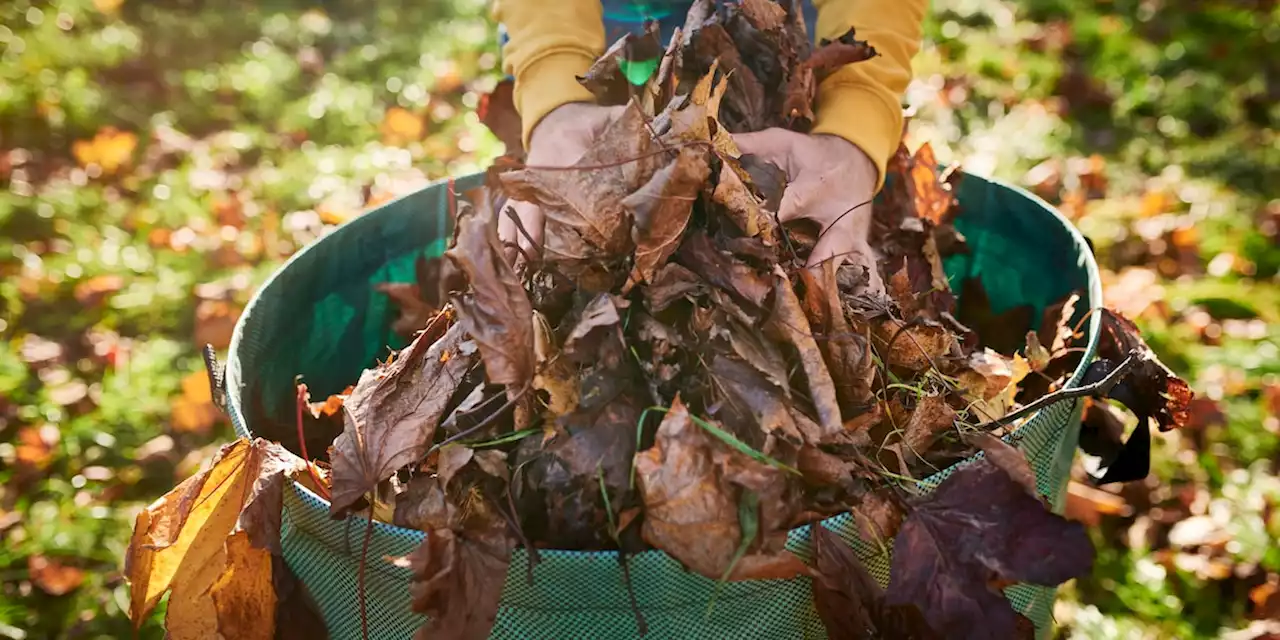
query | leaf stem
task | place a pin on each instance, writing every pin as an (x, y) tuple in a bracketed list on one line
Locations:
[(1102, 386)]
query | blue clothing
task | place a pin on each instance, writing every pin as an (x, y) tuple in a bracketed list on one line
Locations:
[(628, 16)]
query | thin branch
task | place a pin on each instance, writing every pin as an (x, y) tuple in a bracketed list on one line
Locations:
[(1102, 387), (483, 423)]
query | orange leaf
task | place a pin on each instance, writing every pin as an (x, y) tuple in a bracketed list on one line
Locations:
[(110, 149), (194, 411), (35, 446), (400, 126), (53, 577)]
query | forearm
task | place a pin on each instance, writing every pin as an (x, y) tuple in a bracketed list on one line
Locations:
[(551, 42), (862, 102)]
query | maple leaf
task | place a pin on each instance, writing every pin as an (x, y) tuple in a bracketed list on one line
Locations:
[(457, 581), (977, 530), (212, 542), (848, 599), (755, 407), (1151, 390), (495, 311), (692, 508), (661, 209), (586, 223), (392, 414)]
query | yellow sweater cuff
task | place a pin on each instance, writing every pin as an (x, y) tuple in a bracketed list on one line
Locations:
[(864, 114), (547, 83)]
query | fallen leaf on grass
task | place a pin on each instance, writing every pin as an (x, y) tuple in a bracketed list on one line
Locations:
[(52, 576), (1088, 505), (495, 311), (401, 126), (691, 509), (193, 411), (392, 414), (979, 529), (110, 149)]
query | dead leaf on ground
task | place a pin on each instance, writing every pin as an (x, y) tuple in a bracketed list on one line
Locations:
[(53, 576), (193, 411)]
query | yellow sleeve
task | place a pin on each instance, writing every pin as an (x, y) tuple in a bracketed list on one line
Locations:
[(862, 102), (550, 43)]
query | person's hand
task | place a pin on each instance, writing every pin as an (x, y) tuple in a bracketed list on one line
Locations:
[(560, 139), (831, 182)]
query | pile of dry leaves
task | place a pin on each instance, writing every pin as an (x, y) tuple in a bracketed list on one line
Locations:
[(666, 374)]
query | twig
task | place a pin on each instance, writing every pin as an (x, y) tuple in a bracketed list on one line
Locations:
[(483, 423), (1102, 386), (618, 163), (364, 555), (513, 521), (642, 626), (302, 445)]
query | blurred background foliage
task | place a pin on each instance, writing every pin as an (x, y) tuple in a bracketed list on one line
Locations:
[(159, 159)]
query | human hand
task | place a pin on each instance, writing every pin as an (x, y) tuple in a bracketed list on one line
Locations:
[(560, 139), (831, 182)]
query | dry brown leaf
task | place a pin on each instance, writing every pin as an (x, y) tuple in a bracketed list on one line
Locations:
[(753, 406), (586, 223), (847, 354), (1008, 458), (691, 511), (52, 576), (932, 198), (765, 15), (991, 382), (1089, 505), (661, 209), (744, 208), (789, 324), (457, 582), (931, 418), (495, 311), (913, 346), (735, 277), (393, 413), (497, 111)]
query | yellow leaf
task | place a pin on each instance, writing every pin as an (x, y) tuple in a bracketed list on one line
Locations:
[(210, 541), (107, 6), (110, 149), (239, 603), (194, 411), (400, 126)]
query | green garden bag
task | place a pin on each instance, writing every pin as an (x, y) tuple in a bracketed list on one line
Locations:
[(320, 317)]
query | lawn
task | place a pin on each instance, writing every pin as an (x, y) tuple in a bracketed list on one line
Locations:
[(159, 159)]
